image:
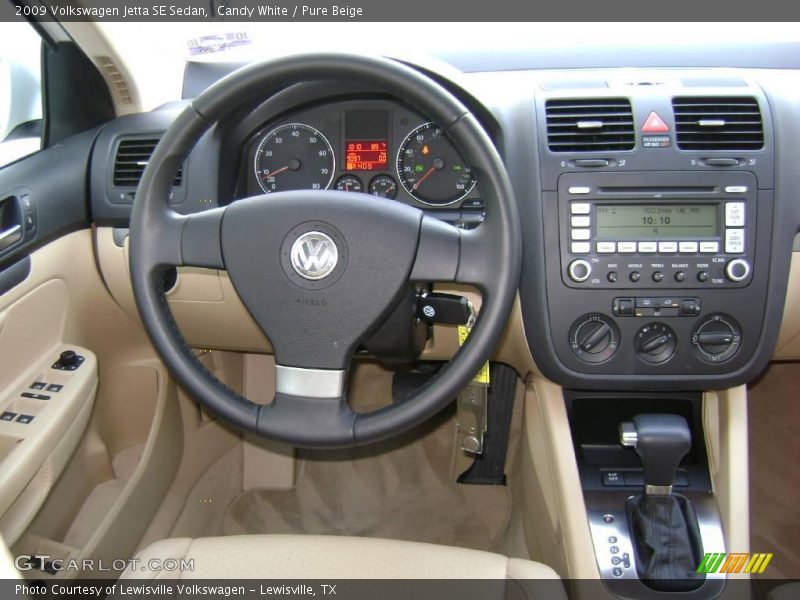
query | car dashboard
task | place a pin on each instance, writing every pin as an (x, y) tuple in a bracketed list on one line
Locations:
[(655, 204)]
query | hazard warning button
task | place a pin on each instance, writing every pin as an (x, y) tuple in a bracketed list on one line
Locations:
[(654, 124)]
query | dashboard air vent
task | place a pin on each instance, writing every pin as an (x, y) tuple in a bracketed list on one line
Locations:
[(132, 157), (718, 123), (590, 125)]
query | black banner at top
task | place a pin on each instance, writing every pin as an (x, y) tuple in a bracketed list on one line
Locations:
[(405, 11)]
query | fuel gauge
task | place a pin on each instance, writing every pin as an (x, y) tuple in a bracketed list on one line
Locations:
[(349, 183), (383, 186)]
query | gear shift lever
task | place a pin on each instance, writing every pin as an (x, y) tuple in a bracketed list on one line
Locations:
[(661, 441), (664, 530)]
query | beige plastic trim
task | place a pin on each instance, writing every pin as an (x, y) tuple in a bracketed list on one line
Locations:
[(788, 346), (20, 514), (267, 464), (32, 327), (725, 424), (65, 303), (94, 42), (210, 314), (554, 513), (8, 569)]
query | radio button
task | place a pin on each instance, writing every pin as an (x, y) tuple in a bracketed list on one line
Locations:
[(635, 276), (648, 247), (702, 277), (734, 241), (709, 247), (680, 276), (579, 270), (581, 221), (575, 190), (688, 247), (734, 214), (612, 277), (737, 270), (580, 234), (580, 247), (667, 247), (658, 276), (626, 247), (606, 247), (580, 208), (735, 189)]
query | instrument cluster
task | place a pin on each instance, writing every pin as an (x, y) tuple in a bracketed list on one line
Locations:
[(372, 146)]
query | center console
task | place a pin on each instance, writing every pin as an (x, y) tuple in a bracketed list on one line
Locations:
[(654, 262), (649, 254)]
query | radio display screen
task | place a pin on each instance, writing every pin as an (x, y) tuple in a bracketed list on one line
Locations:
[(656, 221)]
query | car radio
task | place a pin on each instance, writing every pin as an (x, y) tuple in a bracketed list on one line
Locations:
[(687, 230)]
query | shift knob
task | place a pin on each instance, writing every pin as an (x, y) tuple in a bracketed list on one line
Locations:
[(661, 441)]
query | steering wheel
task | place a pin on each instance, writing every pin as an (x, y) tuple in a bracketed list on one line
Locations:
[(319, 270)]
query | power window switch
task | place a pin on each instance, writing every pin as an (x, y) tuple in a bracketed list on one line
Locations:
[(24, 419), (38, 385), (8, 416), (34, 396), (54, 387)]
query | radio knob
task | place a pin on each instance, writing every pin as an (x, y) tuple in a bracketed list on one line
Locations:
[(579, 270), (737, 270)]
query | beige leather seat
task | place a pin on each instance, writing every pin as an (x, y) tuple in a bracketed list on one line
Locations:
[(335, 557)]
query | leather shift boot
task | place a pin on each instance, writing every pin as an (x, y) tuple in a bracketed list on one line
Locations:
[(666, 540)]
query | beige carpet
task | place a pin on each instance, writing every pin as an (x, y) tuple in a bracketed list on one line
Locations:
[(774, 421), (402, 489)]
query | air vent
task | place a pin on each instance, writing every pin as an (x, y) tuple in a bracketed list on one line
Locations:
[(721, 123), (589, 125), (132, 157)]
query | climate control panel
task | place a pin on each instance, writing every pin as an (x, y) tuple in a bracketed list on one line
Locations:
[(595, 338)]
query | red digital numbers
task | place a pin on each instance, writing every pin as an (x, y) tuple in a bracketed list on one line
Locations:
[(366, 155)]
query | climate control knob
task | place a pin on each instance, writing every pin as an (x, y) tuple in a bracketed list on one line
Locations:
[(655, 343), (579, 270), (737, 270), (594, 338), (717, 338)]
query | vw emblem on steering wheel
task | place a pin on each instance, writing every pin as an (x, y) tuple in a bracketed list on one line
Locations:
[(314, 255)]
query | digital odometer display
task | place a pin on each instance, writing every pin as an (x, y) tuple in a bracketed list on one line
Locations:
[(366, 155), (656, 221)]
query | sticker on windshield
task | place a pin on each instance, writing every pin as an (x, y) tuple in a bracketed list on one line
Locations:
[(207, 44)]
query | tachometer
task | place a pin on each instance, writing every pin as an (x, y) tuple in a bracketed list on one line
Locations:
[(294, 156), (431, 168)]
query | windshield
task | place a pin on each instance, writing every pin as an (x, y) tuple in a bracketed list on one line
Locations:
[(233, 41), (170, 45)]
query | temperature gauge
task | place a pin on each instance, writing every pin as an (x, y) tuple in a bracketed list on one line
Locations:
[(383, 186)]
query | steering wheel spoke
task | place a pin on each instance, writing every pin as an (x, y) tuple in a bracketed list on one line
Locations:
[(446, 253), (310, 407), (200, 240)]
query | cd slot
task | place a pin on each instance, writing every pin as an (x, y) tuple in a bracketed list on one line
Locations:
[(656, 191)]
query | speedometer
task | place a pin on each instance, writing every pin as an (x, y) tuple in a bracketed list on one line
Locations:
[(294, 156), (431, 168)]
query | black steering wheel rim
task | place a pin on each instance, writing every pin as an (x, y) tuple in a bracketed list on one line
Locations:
[(488, 257)]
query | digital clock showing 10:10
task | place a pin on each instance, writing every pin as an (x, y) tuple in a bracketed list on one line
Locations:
[(656, 221), (366, 155)]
